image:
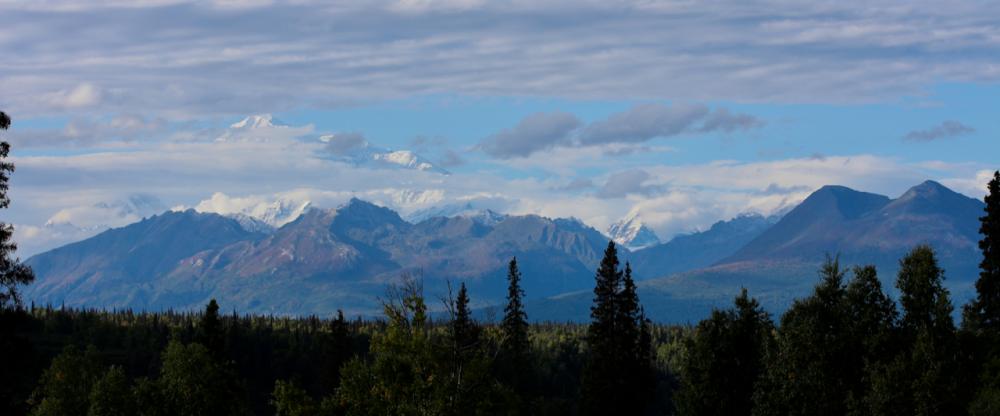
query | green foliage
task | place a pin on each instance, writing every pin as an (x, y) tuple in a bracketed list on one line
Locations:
[(401, 379), (290, 400), (149, 398), (65, 386), (830, 346), (842, 350), (986, 403), (193, 383), (871, 317), (923, 378), (416, 370), (724, 359), (112, 395)]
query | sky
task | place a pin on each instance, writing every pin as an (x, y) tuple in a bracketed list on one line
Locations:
[(679, 113)]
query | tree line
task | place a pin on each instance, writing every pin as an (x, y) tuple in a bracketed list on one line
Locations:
[(847, 348)]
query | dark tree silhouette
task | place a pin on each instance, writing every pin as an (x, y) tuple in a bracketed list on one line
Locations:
[(807, 375), (981, 317), (210, 330), (616, 380), (465, 332), (12, 272), (515, 347), (923, 378), (725, 359), (983, 314)]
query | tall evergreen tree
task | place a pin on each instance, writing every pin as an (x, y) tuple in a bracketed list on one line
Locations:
[(210, 331), (615, 378), (467, 364), (336, 351), (515, 319), (634, 344), (981, 317), (13, 273), (983, 313), (724, 360), (464, 330), (515, 348), (602, 389)]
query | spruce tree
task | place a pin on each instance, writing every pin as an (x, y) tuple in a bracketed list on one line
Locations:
[(983, 313), (468, 365), (336, 351), (634, 343), (981, 318), (617, 375), (464, 330), (602, 388), (13, 273), (514, 347), (210, 331)]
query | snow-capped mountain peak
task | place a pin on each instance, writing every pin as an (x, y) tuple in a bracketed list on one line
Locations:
[(353, 148), (632, 233), (253, 213), (255, 122), (486, 217)]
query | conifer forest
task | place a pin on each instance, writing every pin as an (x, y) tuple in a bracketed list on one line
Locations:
[(847, 348)]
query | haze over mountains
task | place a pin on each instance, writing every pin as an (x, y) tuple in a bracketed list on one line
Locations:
[(329, 259)]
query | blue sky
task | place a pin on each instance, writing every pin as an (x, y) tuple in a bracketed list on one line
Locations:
[(681, 113)]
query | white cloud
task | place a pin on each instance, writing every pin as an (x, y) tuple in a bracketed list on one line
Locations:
[(245, 175), (80, 96), (189, 59)]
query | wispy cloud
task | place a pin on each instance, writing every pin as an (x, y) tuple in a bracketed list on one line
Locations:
[(946, 130), (620, 133), (536, 132), (187, 59), (645, 122)]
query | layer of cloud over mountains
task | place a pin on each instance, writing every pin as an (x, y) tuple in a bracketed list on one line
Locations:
[(288, 257)]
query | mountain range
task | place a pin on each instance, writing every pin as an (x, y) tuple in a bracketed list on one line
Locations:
[(777, 259), (343, 258)]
